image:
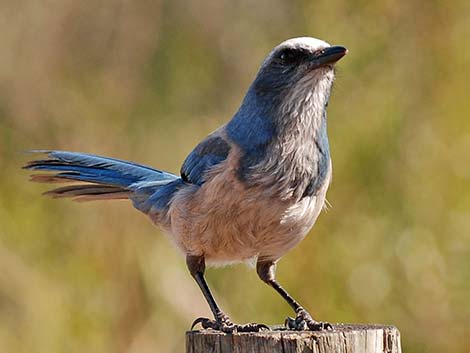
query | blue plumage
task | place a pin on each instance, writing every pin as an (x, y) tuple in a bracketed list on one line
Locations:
[(155, 198), (250, 190), (254, 125), (207, 154), (75, 165), (90, 168)]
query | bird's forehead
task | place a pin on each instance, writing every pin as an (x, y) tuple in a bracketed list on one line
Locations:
[(308, 43)]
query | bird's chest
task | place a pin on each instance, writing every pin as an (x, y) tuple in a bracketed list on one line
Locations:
[(232, 218), (244, 222), (290, 170)]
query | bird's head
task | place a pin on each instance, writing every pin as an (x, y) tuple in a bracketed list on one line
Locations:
[(296, 69), (295, 60), (291, 90)]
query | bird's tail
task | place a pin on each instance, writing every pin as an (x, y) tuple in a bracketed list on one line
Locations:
[(99, 178)]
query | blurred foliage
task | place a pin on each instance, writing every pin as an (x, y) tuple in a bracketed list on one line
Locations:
[(146, 80)]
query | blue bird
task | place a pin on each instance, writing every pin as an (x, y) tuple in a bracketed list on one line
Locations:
[(249, 192)]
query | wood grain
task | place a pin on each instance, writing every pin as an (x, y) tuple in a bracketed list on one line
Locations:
[(344, 338)]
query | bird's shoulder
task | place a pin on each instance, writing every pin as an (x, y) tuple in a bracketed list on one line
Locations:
[(213, 150)]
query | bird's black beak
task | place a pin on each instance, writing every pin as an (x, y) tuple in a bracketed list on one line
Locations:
[(329, 55)]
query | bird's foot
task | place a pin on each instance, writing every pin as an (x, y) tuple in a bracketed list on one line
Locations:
[(304, 322), (223, 323)]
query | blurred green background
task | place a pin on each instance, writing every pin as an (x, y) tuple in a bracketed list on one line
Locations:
[(146, 80)]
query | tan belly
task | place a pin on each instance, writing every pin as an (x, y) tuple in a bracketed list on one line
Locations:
[(227, 222)]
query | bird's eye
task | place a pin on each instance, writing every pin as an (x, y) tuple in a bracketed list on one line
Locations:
[(288, 56)]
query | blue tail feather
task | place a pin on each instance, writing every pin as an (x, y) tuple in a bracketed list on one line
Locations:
[(97, 169), (117, 177)]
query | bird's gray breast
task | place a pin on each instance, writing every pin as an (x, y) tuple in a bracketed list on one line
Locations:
[(287, 152), (321, 160), (293, 166)]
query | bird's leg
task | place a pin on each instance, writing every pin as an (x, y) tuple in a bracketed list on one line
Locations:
[(303, 320), (221, 322)]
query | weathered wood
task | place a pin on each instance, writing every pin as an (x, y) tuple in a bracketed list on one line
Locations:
[(344, 338)]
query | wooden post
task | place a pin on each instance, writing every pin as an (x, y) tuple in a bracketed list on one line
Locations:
[(344, 338)]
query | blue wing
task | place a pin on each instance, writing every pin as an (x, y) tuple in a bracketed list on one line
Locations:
[(210, 152)]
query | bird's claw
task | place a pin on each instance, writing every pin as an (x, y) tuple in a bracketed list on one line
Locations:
[(223, 323), (304, 322)]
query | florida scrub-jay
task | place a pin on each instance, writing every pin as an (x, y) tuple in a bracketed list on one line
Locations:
[(250, 191)]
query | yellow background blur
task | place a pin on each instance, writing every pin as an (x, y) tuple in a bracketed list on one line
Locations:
[(146, 80)]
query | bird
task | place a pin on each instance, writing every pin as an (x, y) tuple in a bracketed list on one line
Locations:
[(249, 192)]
